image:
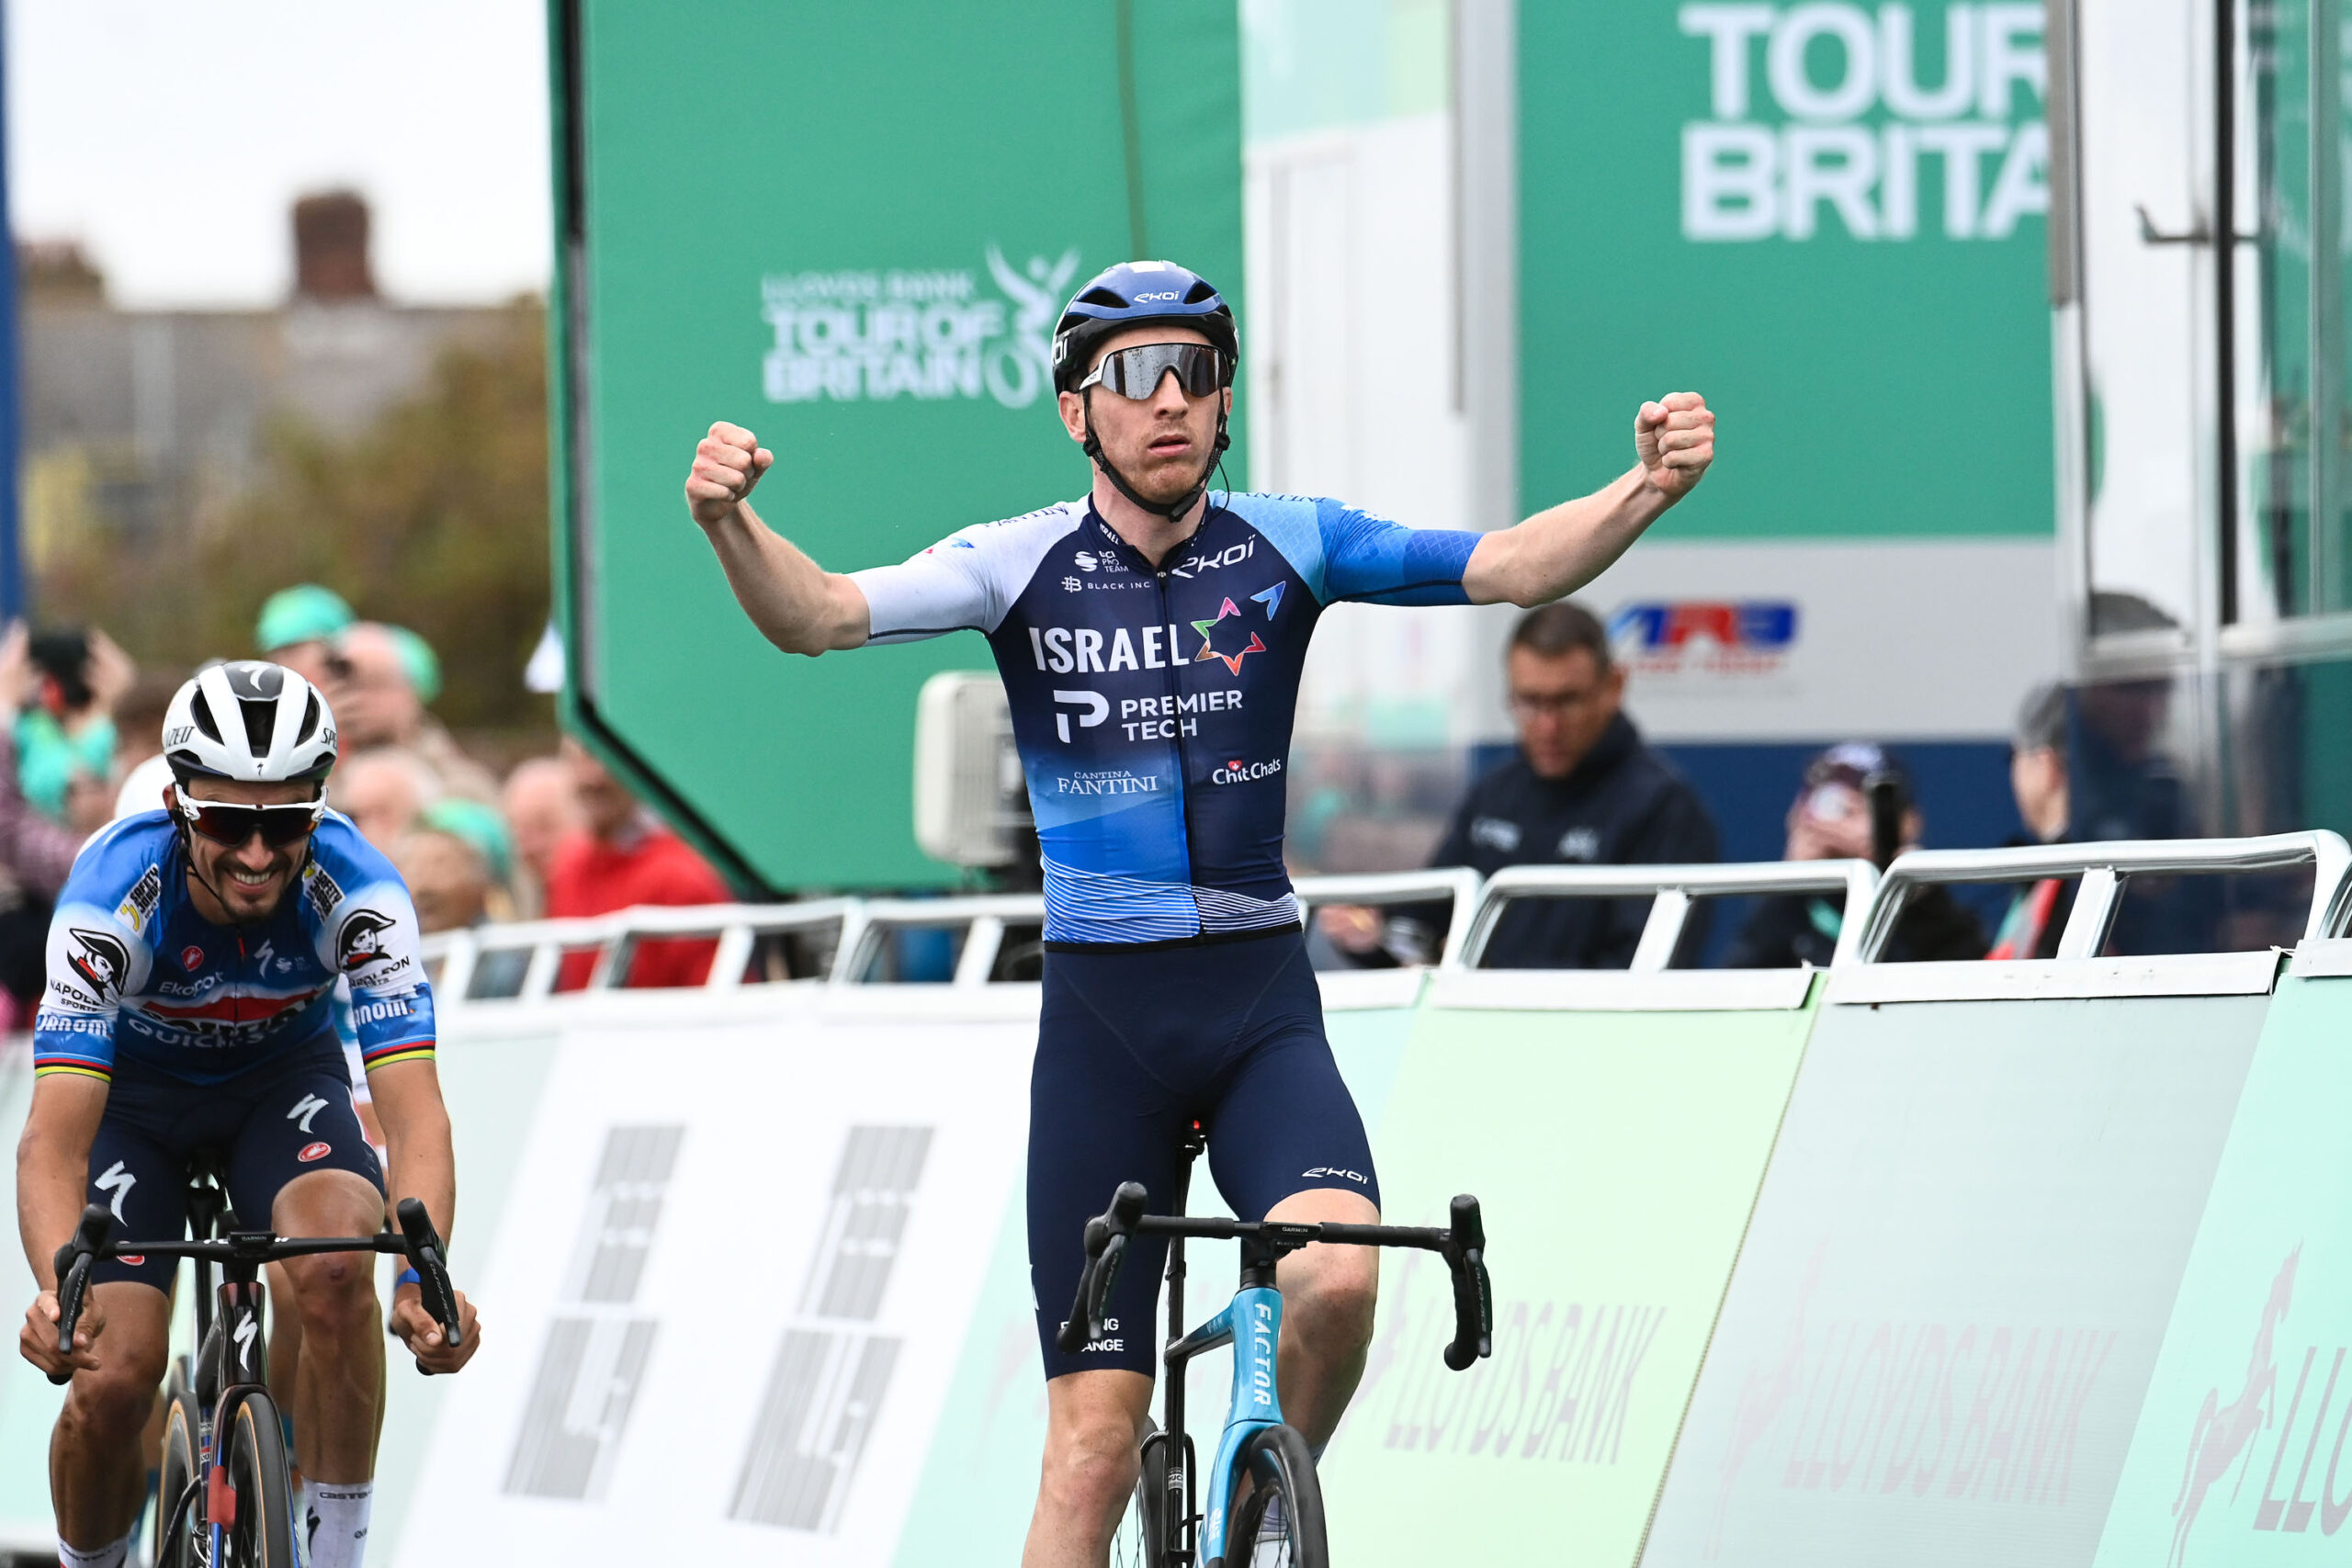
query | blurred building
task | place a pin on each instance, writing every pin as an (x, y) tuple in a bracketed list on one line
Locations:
[(140, 418)]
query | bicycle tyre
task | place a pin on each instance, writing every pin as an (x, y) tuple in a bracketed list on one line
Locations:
[(1278, 1462), (263, 1536), (1143, 1530), (178, 1472)]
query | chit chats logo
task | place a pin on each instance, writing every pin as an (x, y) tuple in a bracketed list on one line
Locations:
[(1861, 110)]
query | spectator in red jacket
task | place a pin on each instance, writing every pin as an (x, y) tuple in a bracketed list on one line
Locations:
[(625, 857)]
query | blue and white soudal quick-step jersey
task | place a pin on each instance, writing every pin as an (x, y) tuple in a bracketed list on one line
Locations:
[(1153, 706), (135, 971)]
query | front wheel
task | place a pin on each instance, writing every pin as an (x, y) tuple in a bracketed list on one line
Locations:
[(1143, 1539), (176, 1507), (1280, 1524), (263, 1535)]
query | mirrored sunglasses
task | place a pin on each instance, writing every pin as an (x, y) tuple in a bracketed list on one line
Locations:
[(235, 825), (1137, 372)]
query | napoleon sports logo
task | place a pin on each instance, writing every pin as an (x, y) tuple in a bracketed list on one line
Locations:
[(929, 334)]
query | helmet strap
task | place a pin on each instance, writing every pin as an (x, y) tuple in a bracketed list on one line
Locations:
[(1170, 510)]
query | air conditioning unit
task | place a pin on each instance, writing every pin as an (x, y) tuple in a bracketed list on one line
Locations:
[(969, 797)]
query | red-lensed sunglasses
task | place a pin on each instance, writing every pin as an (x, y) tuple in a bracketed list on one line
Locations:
[(235, 825)]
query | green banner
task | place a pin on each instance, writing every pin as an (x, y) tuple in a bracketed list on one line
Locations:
[(1616, 1156), (849, 229), (2239, 1454), (1828, 217)]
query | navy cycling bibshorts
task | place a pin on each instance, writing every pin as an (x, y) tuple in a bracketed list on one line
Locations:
[(264, 1126), (1132, 1048)]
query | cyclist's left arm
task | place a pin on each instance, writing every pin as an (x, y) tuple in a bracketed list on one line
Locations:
[(1560, 550), (372, 933)]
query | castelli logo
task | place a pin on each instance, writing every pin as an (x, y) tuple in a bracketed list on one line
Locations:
[(314, 1152), (191, 958)]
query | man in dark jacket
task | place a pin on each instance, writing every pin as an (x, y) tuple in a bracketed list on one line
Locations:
[(1584, 790)]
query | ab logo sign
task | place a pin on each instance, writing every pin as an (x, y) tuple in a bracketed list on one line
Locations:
[(872, 336), (1861, 111)]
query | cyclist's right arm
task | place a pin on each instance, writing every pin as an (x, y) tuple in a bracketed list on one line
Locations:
[(797, 604)]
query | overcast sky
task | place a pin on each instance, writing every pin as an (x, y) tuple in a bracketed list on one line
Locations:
[(169, 137)]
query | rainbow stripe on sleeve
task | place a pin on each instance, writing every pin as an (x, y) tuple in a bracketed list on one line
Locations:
[(396, 1051), (45, 1065)]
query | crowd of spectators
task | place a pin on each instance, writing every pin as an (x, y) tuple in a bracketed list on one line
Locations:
[(81, 744)]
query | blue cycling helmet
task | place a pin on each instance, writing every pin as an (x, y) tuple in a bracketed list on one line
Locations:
[(1131, 294)]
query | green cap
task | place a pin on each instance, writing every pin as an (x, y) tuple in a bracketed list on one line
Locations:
[(304, 612), (479, 827), (417, 658)]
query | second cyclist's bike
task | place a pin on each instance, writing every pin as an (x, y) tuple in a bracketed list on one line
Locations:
[(1276, 1519), (226, 1499)]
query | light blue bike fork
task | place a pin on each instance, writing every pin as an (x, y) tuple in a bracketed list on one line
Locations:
[(1252, 1323)]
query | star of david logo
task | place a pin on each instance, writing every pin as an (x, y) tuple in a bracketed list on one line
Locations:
[(1208, 639)]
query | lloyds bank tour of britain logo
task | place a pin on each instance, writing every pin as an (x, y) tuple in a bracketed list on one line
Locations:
[(1885, 122), (873, 336)]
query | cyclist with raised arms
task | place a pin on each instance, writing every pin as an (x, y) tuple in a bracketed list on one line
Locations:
[(192, 969), (1151, 636)]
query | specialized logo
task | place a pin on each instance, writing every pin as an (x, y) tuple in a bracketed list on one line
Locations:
[(1239, 772), (97, 957), (306, 1108), (928, 334), (1231, 636), (248, 1330), (254, 680), (117, 1182), (314, 1151), (1093, 708), (361, 941)]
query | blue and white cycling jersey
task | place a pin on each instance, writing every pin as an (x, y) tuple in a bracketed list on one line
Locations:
[(1153, 706), (135, 971)]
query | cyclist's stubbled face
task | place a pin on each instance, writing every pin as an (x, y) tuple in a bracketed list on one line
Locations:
[(1162, 443), (244, 883)]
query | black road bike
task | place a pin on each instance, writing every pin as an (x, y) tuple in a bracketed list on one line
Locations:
[(1278, 1521), (226, 1498)]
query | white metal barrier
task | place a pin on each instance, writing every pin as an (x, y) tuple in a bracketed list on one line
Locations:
[(1649, 984), (535, 950), (2102, 871)]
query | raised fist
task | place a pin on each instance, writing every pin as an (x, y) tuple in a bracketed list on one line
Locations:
[(1675, 439), (728, 465)]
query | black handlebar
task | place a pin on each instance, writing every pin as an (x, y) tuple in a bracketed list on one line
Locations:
[(425, 1254), (1474, 1294), (1106, 1246), (417, 1241), (72, 1263), (1463, 1245)]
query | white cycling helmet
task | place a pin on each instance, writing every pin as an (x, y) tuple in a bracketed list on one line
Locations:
[(249, 719)]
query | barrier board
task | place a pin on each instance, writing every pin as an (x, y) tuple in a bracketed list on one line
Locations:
[(2239, 1455), (1955, 1283), (1616, 1155)]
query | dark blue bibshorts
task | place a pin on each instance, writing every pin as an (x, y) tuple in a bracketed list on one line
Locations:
[(264, 1126), (1134, 1048)]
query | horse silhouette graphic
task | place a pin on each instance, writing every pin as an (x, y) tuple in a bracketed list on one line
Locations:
[(2222, 1432)]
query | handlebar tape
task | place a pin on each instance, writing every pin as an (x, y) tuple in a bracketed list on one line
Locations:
[(1107, 1243), (1474, 1307), (72, 1262), (425, 1255)]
